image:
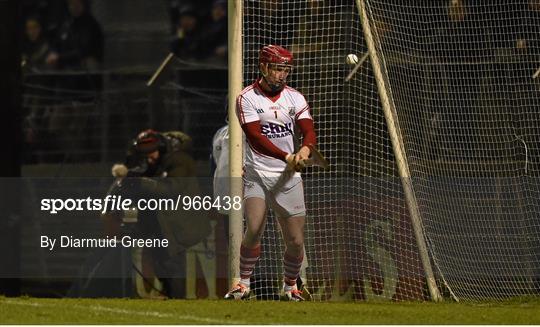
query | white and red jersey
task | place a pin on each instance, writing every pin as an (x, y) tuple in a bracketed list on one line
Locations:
[(277, 116)]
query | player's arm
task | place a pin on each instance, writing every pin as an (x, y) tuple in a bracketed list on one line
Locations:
[(304, 121), (249, 120), (261, 143), (307, 130)]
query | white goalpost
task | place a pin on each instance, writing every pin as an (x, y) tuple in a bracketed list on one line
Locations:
[(432, 139), (235, 135)]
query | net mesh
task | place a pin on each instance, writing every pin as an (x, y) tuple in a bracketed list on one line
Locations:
[(460, 75)]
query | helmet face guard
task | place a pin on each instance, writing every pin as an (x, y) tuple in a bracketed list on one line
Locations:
[(279, 67), (275, 57)]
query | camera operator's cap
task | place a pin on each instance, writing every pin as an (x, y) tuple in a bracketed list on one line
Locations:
[(147, 141)]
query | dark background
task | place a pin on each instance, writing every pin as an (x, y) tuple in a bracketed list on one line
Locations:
[(10, 133)]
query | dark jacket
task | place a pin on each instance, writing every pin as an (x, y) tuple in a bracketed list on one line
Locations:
[(79, 42), (175, 175)]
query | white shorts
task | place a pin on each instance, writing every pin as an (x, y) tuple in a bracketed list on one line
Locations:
[(283, 192)]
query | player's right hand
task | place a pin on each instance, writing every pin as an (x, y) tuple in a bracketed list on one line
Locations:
[(289, 158)]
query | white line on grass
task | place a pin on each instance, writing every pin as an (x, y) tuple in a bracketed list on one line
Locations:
[(127, 312)]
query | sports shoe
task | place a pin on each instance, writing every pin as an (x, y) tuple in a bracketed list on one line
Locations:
[(239, 292), (293, 295)]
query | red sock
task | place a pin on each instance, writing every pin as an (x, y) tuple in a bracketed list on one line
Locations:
[(248, 259), (291, 265)]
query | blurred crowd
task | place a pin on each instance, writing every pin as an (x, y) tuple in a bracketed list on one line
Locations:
[(470, 35), (199, 29), (61, 35), (63, 47), (62, 59)]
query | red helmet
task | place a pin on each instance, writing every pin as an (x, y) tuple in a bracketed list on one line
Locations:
[(274, 54), (148, 141)]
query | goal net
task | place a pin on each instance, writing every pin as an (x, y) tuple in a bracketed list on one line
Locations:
[(459, 75)]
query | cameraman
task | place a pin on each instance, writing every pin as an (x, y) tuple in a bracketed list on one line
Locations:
[(158, 165)]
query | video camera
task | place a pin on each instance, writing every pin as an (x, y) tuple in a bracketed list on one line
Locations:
[(136, 165)]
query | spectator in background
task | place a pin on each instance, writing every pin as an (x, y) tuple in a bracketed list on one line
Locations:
[(35, 47), (187, 44), (78, 50), (215, 32), (174, 14), (51, 12), (460, 40), (79, 40), (200, 7), (528, 38), (457, 10)]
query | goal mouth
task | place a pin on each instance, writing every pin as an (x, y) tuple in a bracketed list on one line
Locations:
[(460, 95)]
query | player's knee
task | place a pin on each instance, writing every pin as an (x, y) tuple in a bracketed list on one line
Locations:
[(295, 243)]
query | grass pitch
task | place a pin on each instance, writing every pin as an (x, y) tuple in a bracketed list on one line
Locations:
[(25, 310)]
